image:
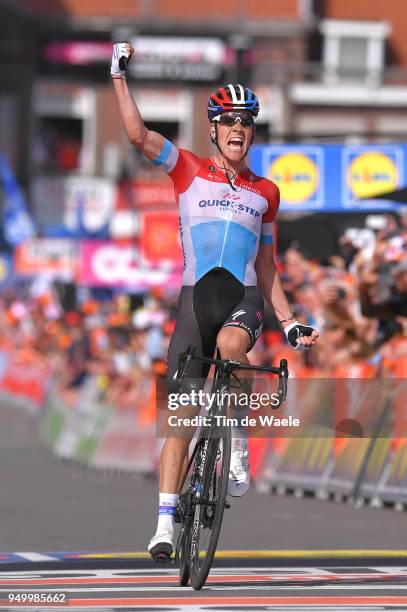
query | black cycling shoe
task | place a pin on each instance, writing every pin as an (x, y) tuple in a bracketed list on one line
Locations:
[(161, 552)]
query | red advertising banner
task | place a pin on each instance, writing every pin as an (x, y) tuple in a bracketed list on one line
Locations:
[(119, 265), (159, 238), (138, 194), (25, 377), (52, 257)]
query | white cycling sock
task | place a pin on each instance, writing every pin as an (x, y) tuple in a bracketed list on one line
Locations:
[(239, 430), (240, 413), (167, 507)]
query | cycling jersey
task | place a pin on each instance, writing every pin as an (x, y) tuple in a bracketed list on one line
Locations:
[(219, 227)]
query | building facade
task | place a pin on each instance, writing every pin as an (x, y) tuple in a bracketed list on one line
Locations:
[(324, 70)]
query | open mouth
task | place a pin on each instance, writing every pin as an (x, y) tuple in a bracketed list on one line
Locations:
[(235, 143)]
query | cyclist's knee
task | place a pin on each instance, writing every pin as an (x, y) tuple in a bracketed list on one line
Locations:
[(232, 343)]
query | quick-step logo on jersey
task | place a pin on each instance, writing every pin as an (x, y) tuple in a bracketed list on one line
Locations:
[(233, 206)]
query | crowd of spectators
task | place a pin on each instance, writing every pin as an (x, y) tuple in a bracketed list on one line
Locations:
[(357, 300)]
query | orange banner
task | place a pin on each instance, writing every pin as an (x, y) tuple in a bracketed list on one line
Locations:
[(52, 257), (159, 238)]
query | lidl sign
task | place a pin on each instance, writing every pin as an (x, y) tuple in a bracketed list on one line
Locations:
[(370, 171), (297, 172), (297, 175), (332, 177)]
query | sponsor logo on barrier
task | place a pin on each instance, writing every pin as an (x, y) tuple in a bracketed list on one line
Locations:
[(368, 172), (297, 176), (55, 258), (111, 264), (371, 173)]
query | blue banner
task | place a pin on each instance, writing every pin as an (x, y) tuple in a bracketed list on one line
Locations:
[(18, 225), (332, 178)]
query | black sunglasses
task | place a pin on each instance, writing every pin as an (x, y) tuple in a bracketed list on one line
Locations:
[(230, 119)]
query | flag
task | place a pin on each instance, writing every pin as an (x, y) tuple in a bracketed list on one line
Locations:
[(18, 225)]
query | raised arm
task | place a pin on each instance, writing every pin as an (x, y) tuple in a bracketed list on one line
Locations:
[(148, 142)]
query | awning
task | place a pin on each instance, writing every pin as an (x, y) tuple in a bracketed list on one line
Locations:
[(399, 196)]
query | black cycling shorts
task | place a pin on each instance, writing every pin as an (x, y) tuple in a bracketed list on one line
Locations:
[(217, 300)]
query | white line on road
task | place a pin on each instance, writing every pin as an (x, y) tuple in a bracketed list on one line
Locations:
[(31, 556)]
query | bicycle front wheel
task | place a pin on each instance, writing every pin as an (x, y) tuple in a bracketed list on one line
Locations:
[(183, 557), (210, 490)]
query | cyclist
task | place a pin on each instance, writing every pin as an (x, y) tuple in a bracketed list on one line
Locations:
[(226, 225)]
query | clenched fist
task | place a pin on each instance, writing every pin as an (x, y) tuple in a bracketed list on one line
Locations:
[(121, 55)]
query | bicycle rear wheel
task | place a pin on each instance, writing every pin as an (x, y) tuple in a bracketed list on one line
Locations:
[(210, 498)]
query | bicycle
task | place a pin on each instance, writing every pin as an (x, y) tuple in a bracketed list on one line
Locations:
[(201, 505)]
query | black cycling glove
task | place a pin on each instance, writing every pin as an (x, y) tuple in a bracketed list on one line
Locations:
[(297, 330)]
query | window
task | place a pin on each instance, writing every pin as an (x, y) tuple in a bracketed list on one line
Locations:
[(64, 128), (353, 57), (168, 129), (58, 144), (354, 50)]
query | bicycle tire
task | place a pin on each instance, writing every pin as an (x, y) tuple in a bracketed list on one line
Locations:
[(214, 483), (184, 513), (183, 557)]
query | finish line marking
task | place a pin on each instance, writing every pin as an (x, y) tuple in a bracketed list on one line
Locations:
[(361, 554), (116, 578), (265, 554)]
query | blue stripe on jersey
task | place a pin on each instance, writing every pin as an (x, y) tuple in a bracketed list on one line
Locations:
[(266, 239), (222, 244), (164, 154), (167, 510)]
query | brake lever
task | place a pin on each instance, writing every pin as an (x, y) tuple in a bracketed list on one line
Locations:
[(282, 385), (184, 359)]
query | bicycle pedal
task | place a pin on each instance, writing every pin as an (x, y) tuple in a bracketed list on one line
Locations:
[(227, 505), (161, 558), (161, 553)]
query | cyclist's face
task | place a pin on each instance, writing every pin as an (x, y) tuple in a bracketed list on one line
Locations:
[(235, 134)]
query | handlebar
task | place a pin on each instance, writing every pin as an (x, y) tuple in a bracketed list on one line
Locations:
[(230, 365)]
